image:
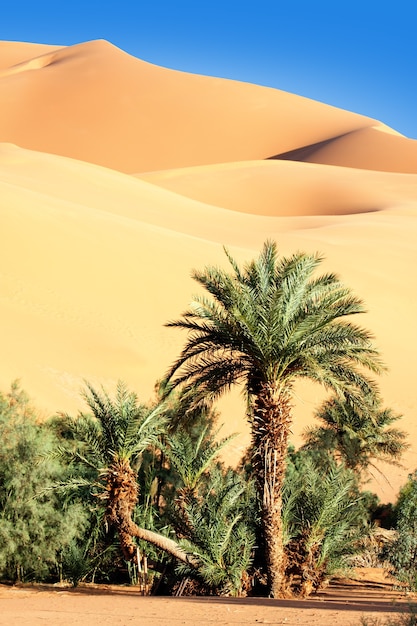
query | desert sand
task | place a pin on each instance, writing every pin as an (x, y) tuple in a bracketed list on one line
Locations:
[(346, 603), (118, 177)]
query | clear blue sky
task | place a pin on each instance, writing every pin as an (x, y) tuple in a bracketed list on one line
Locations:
[(357, 55)]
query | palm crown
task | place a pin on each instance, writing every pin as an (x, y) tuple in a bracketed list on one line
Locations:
[(271, 323), (123, 428), (356, 435)]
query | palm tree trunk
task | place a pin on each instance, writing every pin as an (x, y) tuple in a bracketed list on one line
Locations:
[(122, 496), (164, 543), (270, 430)]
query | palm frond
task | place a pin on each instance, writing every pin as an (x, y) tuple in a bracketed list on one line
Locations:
[(190, 458), (356, 432), (124, 426), (273, 317)]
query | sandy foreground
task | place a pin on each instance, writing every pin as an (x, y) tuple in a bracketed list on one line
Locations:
[(344, 603), (118, 178)]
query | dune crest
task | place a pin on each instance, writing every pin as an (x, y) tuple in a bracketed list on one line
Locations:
[(99, 104), (383, 128), (37, 63), (273, 187), (369, 148), (16, 52)]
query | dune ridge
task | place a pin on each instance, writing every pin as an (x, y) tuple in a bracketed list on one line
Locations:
[(370, 149), (14, 53), (35, 63), (94, 260), (289, 188), (95, 102)]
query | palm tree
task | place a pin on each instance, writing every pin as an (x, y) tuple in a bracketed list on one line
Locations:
[(193, 425), (111, 443), (192, 457), (357, 435), (218, 525), (213, 510), (325, 521), (264, 327)]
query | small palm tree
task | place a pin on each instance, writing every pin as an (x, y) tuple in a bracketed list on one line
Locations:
[(211, 509), (188, 436), (192, 458), (357, 435), (264, 327), (111, 442), (218, 523), (402, 552), (325, 521)]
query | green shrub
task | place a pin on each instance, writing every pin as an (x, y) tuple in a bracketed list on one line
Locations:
[(325, 521), (402, 553), (35, 526)]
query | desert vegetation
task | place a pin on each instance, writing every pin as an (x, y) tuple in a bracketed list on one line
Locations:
[(140, 493)]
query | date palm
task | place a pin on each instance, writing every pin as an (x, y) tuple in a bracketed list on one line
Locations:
[(212, 509), (218, 524), (357, 436), (265, 326), (110, 442), (326, 520)]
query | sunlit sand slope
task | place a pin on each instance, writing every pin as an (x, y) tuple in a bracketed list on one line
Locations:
[(94, 262), (288, 188), (367, 148), (96, 103)]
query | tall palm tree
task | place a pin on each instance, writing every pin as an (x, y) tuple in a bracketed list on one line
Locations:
[(355, 435), (265, 326), (111, 443)]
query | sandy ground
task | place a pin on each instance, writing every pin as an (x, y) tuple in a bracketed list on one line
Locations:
[(118, 178), (344, 603)]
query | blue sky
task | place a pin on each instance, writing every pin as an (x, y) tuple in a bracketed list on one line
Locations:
[(357, 55)]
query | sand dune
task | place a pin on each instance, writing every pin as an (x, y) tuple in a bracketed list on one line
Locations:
[(369, 148), (288, 188), (96, 103), (14, 53), (94, 261)]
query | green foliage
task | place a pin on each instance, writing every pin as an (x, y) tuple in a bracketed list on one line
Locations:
[(355, 434), (89, 558), (34, 528), (325, 519), (192, 457), (214, 510), (218, 524), (402, 554)]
